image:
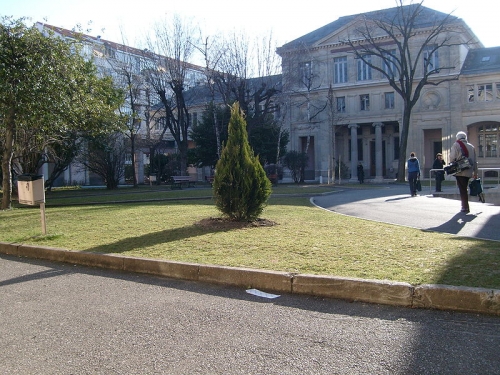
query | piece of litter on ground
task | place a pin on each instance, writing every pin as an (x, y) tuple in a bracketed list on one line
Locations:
[(260, 293)]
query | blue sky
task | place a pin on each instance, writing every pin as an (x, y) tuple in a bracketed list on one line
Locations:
[(285, 18)]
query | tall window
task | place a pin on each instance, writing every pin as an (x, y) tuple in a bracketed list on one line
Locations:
[(364, 70), (109, 51), (485, 92), (341, 104), (193, 119), (340, 69), (488, 141), (431, 60), (305, 72), (364, 102), (160, 123), (470, 93), (389, 100), (390, 63)]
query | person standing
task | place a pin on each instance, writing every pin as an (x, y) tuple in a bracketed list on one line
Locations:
[(459, 148), (413, 167), (361, 173), (438, 164)]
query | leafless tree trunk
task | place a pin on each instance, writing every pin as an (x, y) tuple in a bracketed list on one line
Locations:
[(402, 58), (334, 118), (168, 64), (304, 84), (127, 75), (247, 74), (212, 57)]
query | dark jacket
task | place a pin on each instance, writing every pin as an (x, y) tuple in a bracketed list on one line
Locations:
[(438, 164)]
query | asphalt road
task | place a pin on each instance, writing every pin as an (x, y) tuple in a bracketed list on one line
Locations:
[(392, 203), (64, 319)]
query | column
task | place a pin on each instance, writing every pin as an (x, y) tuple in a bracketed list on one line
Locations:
[(379, 171), (354, 151)]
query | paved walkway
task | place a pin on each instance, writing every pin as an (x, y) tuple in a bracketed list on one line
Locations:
[(60, 318), (392, 203)]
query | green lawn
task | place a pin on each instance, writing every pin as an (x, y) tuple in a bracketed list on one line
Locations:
[(157, 223)]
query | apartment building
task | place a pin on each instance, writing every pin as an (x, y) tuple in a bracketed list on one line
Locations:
[(126, 66), (364, 122)]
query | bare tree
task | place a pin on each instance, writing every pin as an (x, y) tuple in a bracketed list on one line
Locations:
[(305, 87), (212, 56), (407, 42), (104, 155), (248, 74), (237, 70), (126, 67), (334, 117), (308, 82), (167, 68)]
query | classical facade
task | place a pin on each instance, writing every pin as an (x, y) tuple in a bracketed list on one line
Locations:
[(344, 112)]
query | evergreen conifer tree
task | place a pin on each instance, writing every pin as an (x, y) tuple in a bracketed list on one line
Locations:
[(241, 187)]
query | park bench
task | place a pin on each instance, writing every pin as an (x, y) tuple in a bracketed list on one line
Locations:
[(179, 181)]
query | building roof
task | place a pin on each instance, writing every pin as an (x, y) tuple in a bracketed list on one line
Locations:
[(91, 39), (426, 18), (99, 41), (482, 60), (201, 95)]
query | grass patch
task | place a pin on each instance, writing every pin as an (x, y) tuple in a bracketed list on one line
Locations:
[(305, 239)]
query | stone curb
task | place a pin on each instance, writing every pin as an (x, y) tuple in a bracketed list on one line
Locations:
[(442, 297)]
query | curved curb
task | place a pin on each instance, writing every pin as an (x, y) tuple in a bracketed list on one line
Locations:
[(442, 297)]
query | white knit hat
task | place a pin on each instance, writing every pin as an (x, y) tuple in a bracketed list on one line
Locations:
[(461, 135)]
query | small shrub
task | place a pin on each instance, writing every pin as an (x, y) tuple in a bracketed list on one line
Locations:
[(296, 162), (241, 187)]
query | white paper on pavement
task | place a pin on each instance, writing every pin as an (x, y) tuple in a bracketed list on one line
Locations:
[(260, 293)]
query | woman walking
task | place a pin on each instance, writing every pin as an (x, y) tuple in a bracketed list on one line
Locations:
[(459, 148), (413, 167)]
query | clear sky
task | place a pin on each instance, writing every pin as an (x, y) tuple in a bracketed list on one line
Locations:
[(287, 19)]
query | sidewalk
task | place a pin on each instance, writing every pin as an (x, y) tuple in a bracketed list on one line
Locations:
[(392, 203)]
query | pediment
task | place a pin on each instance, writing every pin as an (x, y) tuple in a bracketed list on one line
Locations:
[(351, 31)]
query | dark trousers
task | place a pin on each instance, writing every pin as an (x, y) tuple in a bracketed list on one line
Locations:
[(439, 178), (412, 179), (463, 183)]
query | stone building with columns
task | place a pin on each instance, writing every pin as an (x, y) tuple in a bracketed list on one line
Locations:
[(344, 112)]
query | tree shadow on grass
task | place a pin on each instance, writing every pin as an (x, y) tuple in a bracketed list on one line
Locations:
[(202, 227), (477, 266)]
